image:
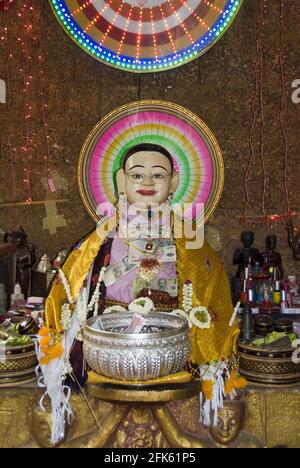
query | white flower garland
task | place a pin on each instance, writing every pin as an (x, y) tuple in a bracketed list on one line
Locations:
[(66, 314), (66, 286), (187, 302), (142, 305), (204, 322), (114, 309), (190, 313), (82, 306)]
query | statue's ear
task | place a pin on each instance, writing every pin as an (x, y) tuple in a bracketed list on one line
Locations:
[(174, 182), (121, 181)]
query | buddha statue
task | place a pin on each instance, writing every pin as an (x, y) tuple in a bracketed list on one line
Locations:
[(271, 257), (247, 255), (40, 424), (293, 240), (228, 432), (123, 260), (25, 257)]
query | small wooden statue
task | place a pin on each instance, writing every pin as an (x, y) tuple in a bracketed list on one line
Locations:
[(25, 257), (271, 257), (293, 240), (243, 256)]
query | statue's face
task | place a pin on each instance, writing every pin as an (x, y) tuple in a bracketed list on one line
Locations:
[(41, 427), (247, 237), (230, 421), (147, 179)]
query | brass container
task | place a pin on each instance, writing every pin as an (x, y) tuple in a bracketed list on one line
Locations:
[(283, 326), (17, 365), (263, 325), (268, 366)]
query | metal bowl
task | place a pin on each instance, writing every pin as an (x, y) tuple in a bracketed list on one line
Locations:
[(162, 348)]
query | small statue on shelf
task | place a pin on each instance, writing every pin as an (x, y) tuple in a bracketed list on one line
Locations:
[(272, 258), (293, 240), (17, 295), (247, 255), (25, 257)]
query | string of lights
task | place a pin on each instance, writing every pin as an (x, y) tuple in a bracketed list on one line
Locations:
[(29, 63), (258, 121), (27, 106), (141, 38), (283, 105), (43, 108), (5, 38)]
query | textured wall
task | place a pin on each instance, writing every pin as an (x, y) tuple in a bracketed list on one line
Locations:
[(217, 87)]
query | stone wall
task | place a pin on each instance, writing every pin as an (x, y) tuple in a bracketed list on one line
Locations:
[(217, 87)]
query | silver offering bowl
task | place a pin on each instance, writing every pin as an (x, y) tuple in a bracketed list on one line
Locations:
[(161, 348)]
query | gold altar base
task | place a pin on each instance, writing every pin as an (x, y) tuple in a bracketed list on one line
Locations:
[(273, 419)]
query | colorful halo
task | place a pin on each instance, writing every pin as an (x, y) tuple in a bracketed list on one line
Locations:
[(197, 155), (145, 35)]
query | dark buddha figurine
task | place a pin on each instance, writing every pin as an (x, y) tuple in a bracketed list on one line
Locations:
[(271, 257), (243, 256), (293, 240), (25, 257)]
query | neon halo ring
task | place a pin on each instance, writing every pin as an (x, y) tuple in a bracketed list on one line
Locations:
[(145, 35), (196, 154)]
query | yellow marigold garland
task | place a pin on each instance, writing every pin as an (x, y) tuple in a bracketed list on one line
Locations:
[(207, 389), (235, 382), (50, 346)]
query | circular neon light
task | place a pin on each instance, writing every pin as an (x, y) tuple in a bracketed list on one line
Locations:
[(145, 35), (196, 153)]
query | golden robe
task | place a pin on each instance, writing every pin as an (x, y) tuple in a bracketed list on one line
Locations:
[(202, 267)]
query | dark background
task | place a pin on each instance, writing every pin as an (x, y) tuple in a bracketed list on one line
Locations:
[(218, 87)]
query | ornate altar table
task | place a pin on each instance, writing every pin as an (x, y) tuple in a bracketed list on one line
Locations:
[(168, 418)]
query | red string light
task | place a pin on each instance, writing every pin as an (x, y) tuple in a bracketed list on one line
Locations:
[(258, 121), (263, 10), (27, 107), (9, 56), (283, 105), (43, 107), (269, 219), (247, 177), (33, 96)]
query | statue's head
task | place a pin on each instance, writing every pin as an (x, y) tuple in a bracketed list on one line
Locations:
[(40, 423), (271, 242), (230, 422), (18, 237), (147, 175), (247, 238)]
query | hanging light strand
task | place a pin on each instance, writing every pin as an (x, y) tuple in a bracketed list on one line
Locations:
[(263, 8), (5, 37), (43, 108), (248, 203), (27, 108), (283, 106)]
